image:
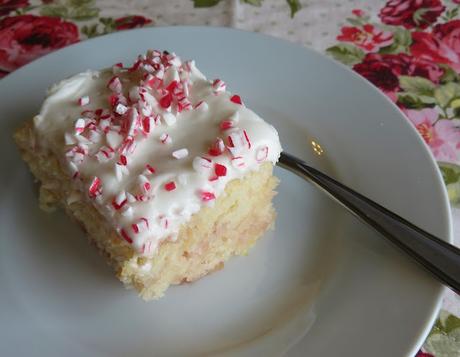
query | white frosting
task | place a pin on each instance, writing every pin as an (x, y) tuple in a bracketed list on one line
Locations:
[(196, 145)]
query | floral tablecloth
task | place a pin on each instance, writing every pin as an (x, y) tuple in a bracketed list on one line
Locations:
[(410, 49)]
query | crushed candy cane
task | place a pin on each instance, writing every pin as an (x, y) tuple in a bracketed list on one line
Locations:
[(119, 148)]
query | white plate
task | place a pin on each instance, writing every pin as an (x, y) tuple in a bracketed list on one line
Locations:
[(321, 280)]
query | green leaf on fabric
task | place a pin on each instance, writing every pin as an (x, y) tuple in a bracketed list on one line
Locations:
[(417, 85), (414, 101), (80, 3), (452, 322), (54, 10), (252, 2), (450, 14), (445, 93), (449, 74), (90, 31), (450, 175), (346, 53), (402, 39), (418, 16), (84, 13), (294, 5), (205, 3)]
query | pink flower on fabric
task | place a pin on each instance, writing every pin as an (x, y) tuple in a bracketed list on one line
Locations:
[(369, 37), (442, 136)]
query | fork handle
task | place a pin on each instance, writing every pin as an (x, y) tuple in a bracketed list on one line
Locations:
[(439, 257)]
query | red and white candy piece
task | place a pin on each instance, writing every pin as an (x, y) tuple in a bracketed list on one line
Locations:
[(202, 106), (180, 154), (238, 162), (170, 186), (119, 201), (73, 169), (165, 138), (148, 248), (115, 84), (163, 221), (121, 109), (95, 187), (147, 124), (126, 236), (149, 170), (79, 126), (236, 99), (82, 101), (104, 124), (202, 165), (218, 85), (226, 124), (120, 171), (262, 154), (144, 183), (217, 148), (104, 154), (140, 226), (207, 196), (220, 170), (117, 68)]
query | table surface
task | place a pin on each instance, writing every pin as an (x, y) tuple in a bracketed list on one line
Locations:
[(410, 49)]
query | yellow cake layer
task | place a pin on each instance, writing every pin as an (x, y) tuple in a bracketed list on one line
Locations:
[(238, 218)]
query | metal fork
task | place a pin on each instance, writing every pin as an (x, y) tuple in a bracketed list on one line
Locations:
[(437, 256)]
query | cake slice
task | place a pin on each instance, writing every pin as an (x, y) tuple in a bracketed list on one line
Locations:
[(168, 173)]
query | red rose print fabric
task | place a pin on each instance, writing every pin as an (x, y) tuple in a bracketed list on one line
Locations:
[(413, 56), (25, 36), (412, 13)]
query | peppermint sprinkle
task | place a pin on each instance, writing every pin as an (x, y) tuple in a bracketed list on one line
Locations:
[(262, 154), (236, 99), (140, 226), (121, 109), (83, 101), (95, 188), (126, 236), (119, 201), (180, 154), (114, 84), (165, 138), (218, 86), (202, 165), (79, 126), (202, 106), (207, 196), (170, 186), (220, 170)]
